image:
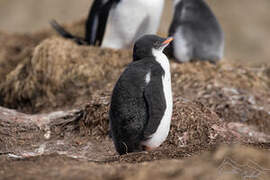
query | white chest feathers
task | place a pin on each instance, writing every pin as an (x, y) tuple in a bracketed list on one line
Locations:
[(164, 127), (129, 20)]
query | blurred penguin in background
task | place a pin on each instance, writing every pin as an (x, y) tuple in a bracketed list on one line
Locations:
[(196, 32), (118, 23)]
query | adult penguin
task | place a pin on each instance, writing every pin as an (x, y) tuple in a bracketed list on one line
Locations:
[(118, 23), (141, 102), (196, 32)]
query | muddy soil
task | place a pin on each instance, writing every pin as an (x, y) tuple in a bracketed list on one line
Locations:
[(220, 125)]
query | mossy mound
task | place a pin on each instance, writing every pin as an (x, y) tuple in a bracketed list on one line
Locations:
[(60, 74)]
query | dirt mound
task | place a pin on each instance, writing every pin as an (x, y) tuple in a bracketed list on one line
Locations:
[(191, 128)]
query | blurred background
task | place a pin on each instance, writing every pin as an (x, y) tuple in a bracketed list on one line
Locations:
[(246, 22)]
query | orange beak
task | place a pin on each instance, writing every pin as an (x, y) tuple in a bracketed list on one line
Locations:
[(167, 41)]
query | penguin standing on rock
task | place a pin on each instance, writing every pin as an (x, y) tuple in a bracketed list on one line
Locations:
[(141, 102), (118, 23), (196, 32)]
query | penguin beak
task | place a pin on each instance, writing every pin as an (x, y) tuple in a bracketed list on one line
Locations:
[(167, 41)]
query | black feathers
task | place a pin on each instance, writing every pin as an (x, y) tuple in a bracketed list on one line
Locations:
[(95, 25), (97, 20), (136, 107)]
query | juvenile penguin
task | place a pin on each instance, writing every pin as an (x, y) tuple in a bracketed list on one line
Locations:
[(141, 102), (118, 23), (196, 31)]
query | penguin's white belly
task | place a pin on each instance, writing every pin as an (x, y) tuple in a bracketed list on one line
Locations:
[(129, 20), (163, 129), (182, 48)]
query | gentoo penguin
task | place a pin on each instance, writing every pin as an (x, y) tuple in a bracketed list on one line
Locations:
[(141, 102), (196, 32), (118, 23)]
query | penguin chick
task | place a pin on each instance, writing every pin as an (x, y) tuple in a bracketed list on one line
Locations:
[(141, 102), (196, 32)]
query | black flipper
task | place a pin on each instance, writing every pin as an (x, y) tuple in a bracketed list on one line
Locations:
[(67, 34), (155, 100), (92, 22), (97, 20)]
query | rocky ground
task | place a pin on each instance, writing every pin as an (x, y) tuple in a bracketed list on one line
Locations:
[(220, 125)]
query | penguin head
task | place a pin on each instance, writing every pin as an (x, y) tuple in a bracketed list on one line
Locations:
[(144, 46), (194, 10)]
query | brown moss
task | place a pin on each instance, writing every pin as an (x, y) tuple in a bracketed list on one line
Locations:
[(60, 74), (14, 48)]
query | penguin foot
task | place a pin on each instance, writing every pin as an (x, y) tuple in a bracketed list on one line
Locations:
[(147, 148)]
